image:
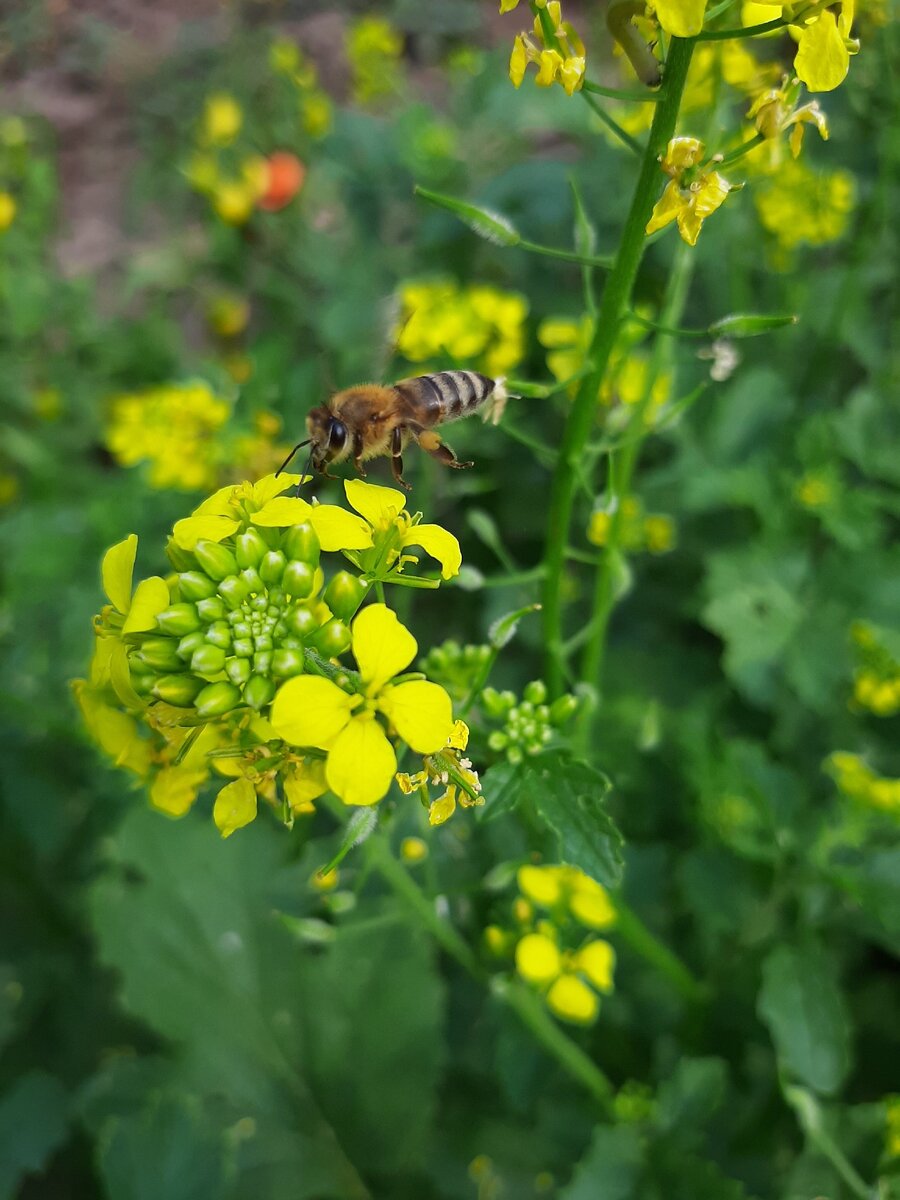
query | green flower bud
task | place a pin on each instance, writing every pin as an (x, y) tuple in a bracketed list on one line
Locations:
[(180, 690), (258, 691), (298, 578), (189, 644), (181, 560), (276, 597), (249, 548), (219, 635), (255, 585), (194, 585), (243, 647), (241, 629), (300, 621), (161, 654), (302, 543), (497, 704), (262, 641), (498, 740), (262, 662), (179, 619), (514, 755), (535, 692), (332, 639), (562, 709), (271, 568), (215, 559), (287, 662), (238, 670), (208, 660), (212, 609), (217, 698), (142, 684), (344, 594), (234, 591)]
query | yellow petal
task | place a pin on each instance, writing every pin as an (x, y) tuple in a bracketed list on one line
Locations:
[(310, 711), (116, 732), (682, 18), (305, 783), (443, 808), (712, 193), (540, 884), (439, 544), (175, 789), (681, 153), (421, 713), (573, 1000), (459, 736), (382, 646), (537, 958), (218, 504), (518, 61), (361, 763), (597, 960), (379, 505), (667, 207), (151, 596), (117, 570), (590, 904), (188, 532), (235, 806), (283, 511), (270, 486), (822, 60), (339, 530)]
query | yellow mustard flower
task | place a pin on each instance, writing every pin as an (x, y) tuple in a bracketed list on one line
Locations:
[(234, 200), (7, 211), (568, 888), (815, 490), (558, 52), (312, 711), (448, 769), (393, 529), (477, 325), (799, 205), (856, 779), (692, 194), (316, 114), (824, 44), (222, 119), (775, 110), (681, 18), (374, 50), (566, 974)]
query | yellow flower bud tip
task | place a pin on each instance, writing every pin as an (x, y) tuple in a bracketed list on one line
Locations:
[(413, 850), (8, 209), (326, 881)]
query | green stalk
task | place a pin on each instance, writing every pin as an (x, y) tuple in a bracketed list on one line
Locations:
[(615, 302)]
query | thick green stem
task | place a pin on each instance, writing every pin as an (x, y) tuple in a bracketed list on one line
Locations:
[(632, 930), (615, 302)]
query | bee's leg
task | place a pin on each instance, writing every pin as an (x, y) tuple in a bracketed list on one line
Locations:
[(432, 444), (397, 457), (357, 454)]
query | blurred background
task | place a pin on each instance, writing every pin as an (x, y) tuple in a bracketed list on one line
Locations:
[(207, 223)]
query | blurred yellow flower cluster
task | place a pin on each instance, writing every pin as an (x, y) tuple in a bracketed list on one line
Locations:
[(799, 204), (315, 107), (815, 489), (476, 325), (856, 779), (554, 47), (374, 51), (7, 211), (655, 532), (876, 683), (551, 950)]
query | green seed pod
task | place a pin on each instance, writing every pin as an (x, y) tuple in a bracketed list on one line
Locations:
[(262, 662), (332, 639), (249, 548), (234, 591), (255, 585), (212, 609), (258, 691), (287, 662), (535, 692), (302, 543), (179, 619), (301, 622), (194, 585), (189, 644), (180, 690), (142, 684), (344, 594), (238, 670), (298, 578), (215, 559), (243, 647), (208, 660), (562, 709), (219, 635), (160, 654), (271, 568), (217, 698)]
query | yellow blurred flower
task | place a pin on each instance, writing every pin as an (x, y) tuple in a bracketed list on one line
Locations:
[(692, 195), (234, 200), (566, 974), (856, 780), (222, 119), (7, 211), (374, 50), (316, 114), (476, 325), (681, 18), (799, 204)]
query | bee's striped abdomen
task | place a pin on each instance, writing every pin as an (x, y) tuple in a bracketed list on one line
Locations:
[(454, 394)]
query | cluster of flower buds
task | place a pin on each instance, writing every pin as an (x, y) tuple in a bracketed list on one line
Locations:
[(856, 779), (876, 682), (529, 724), (457, 667), (653, 532)]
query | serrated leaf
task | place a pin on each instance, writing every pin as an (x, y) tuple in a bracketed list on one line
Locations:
[(492, 226), (568, 796)]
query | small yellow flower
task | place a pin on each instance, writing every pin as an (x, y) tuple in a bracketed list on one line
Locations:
[(7, 211), (572, 1000), (374, 50), (814, 491), (538, 958), (559, 59), (311, 711), (800, 205), (448, 769), (413, 850), (659, 533), (316, 114), (384, 510), (775, 110), (233, 201), (692, 194), (222, 119), (824, 47)]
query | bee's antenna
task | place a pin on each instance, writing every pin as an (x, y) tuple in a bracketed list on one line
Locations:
[(299, 446)]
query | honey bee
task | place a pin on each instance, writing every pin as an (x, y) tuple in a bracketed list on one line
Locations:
[(371, 420)]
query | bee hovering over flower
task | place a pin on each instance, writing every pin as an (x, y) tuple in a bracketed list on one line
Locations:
[(371, 420)]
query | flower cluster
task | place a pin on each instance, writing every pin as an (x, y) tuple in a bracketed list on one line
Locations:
[(693, 193), (654, 532), (554, 47), (232, 663), (374, 51), (555, 907), (800, 205), (529, 724), (302, 79), (876, 682), (777, 109), (457, 667), (447, 769), (856, 780), (478, 325)]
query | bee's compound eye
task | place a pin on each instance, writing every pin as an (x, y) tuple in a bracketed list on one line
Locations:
[(337, 436)]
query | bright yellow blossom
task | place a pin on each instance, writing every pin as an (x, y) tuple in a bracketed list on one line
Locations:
[(374, 50), (478, 325), (681, 18), (692, 194), (566, 974), (7, 211), (448, 769), (824, 44), (558, 55), (801, 205), (222, 119), (775, 110), (383, 509), (312, 711)]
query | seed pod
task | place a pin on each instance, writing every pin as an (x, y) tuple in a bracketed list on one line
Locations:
[(331, 639), (563, 708), (258, 691), (219, 634), (254, 584), (208, 660), (302, 543), (238, 670), (189, 644), (179, 619), (300, 621), (287, 662), (271, 567), (180, 690), (298, 578), (249, 548), (212, 609), (234, 591), (160, 654), (344, 594), (215, 559), (194, 585), (217, 698)]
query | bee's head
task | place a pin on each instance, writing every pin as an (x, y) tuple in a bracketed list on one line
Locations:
[(328, 436)]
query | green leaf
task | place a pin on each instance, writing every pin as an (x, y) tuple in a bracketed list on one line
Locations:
[(33, 1124), (568, 796), (691, 1095), (746, 325), (489, 225), (612, 1167), (804, 1011)]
